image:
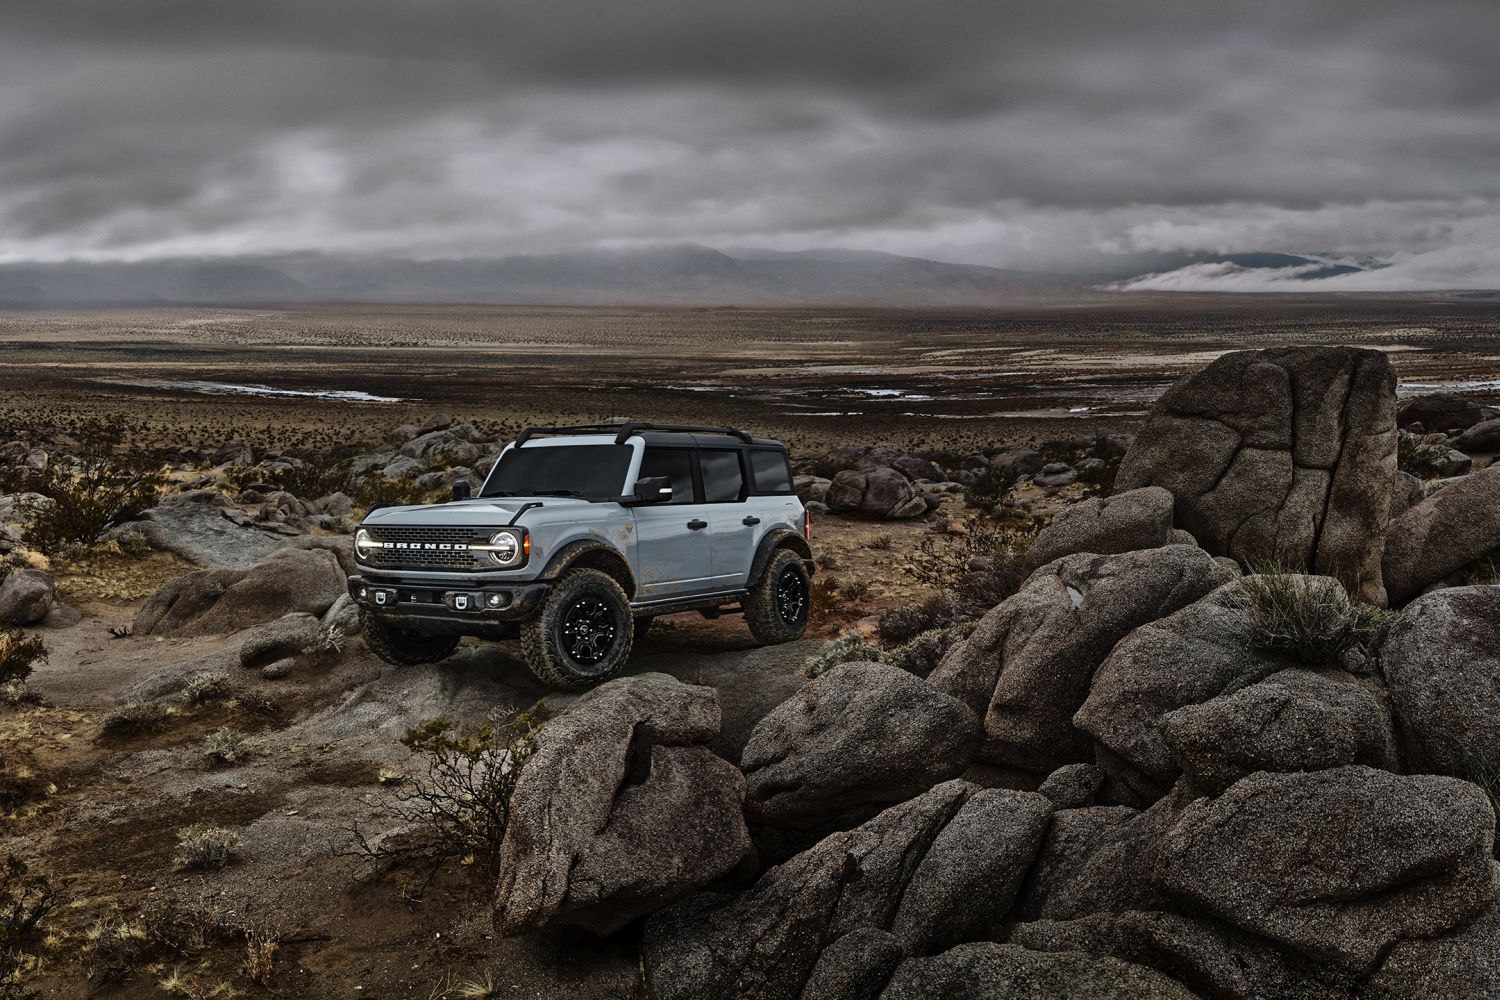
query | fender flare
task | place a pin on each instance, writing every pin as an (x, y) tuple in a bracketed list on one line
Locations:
[(777, 538), (590, 550)]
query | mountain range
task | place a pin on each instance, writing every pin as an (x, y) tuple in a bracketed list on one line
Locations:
[(686, 274)]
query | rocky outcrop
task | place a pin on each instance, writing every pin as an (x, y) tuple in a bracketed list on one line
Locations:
[(288, 636), (1279, 455), (621, 809), (1028, 664), (1295, 720), (1338, 865), (1442, 662), (947, 863), (1124, 522), (862, 735), (987, 971), (1452, 528), (226, 600), (881, 492), (1186, 658), (203, 528), (26, 595)]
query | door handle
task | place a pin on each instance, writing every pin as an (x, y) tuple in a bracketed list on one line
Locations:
[(750, 521), (697, 525)]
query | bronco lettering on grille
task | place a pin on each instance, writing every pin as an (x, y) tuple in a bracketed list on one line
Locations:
[(429, 546)]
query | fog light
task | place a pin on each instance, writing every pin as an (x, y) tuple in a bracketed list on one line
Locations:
[(364, 593), (494, 600)]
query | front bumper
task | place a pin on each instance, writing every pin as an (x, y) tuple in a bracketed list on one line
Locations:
[(448, 604)]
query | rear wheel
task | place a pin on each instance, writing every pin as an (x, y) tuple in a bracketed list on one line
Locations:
[(404, 647), (780, 603), (583, 633)]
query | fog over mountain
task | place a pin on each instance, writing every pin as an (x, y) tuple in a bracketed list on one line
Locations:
[(1139, 145)]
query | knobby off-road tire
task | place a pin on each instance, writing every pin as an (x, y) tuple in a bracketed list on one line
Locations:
[(780, 603), (403, 648), (583, 634)]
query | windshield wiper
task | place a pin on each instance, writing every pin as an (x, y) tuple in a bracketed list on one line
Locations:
[(502, 493), (556, 493)]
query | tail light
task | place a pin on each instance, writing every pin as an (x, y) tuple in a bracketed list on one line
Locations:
[(807, 525)]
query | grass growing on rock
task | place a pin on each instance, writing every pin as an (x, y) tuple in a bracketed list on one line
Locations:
[(1311, 617)]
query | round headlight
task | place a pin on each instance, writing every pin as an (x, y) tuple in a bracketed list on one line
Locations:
[(363, 544), (507, 548)]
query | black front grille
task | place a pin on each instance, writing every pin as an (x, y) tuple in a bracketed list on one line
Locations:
[(428, 556)]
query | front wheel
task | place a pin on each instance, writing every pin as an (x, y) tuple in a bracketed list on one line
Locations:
[(583, 633), (405, 648), (780, 603)]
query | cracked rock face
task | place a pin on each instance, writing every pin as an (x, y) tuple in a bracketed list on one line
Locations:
[(863, 734), (1283, 455), (1454, 527), (944, 866), (621, 810), (1338, 865), (1029, 662)]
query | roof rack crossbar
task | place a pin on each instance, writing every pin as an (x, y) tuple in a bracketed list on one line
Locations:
[(624, 431)]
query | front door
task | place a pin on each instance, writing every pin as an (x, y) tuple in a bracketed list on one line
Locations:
[(674, 556)]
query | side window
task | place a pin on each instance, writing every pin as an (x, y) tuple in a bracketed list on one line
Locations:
[(723, 481), (674, 463), (771, 472)]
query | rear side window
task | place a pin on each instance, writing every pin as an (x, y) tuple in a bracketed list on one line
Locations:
[(723, 482), (674, 463), (771, 472)]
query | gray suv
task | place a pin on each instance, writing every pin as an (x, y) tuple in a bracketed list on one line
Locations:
[(579, 537)]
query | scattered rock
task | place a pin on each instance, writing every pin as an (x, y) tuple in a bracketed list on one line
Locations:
[(1452, 528), (621, 809), (1124, 522), (1442, 662), (279, 669), (1013, 463), (1339, 865), (812, 489), (227, 600), (1439, 411), (1283, 454), (862, 735), (26, 596), (1056, 474), (881, 492), (1028, 663)]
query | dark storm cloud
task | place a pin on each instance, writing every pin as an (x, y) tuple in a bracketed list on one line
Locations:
[(1019, 134)]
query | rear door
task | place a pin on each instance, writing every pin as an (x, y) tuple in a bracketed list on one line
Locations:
[(734, 528), (674, 554)]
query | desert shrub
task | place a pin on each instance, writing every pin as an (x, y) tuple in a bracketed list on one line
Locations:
[(979, 568), (459, 801), (987, 491), (206, 688), (850, 649), (261, 945), (225, 748), (19, 655), (134, 717), (114, 946), (25, 901), (922, 653), (308, 481), (1313, 618), (904, 623), (108, 485), (205, 847)]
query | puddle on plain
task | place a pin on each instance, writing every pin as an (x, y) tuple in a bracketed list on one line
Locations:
[(235, 389)]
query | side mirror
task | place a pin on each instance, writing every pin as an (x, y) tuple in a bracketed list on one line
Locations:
[(653, 489), (461, 489)]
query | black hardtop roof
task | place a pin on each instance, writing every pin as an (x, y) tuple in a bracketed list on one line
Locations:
[(661, 435)]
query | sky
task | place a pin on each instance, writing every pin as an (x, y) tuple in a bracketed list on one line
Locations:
[(1086, 137)]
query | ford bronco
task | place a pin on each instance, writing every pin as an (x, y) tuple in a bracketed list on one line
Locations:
[(579, 537)]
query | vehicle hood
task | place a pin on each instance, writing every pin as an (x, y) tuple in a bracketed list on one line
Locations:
[(479, 513)]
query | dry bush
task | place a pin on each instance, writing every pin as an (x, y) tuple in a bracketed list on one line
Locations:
[(25, 901), (134, 717), (460, 803), (978, 568), (205, 847), (1310, 617), (261, 945), (19, 655), (108, 485), (850, 649), (226, 748), (374, 491), (208, 688)]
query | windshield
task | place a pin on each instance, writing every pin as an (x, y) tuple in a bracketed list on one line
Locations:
[(587, 471)]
